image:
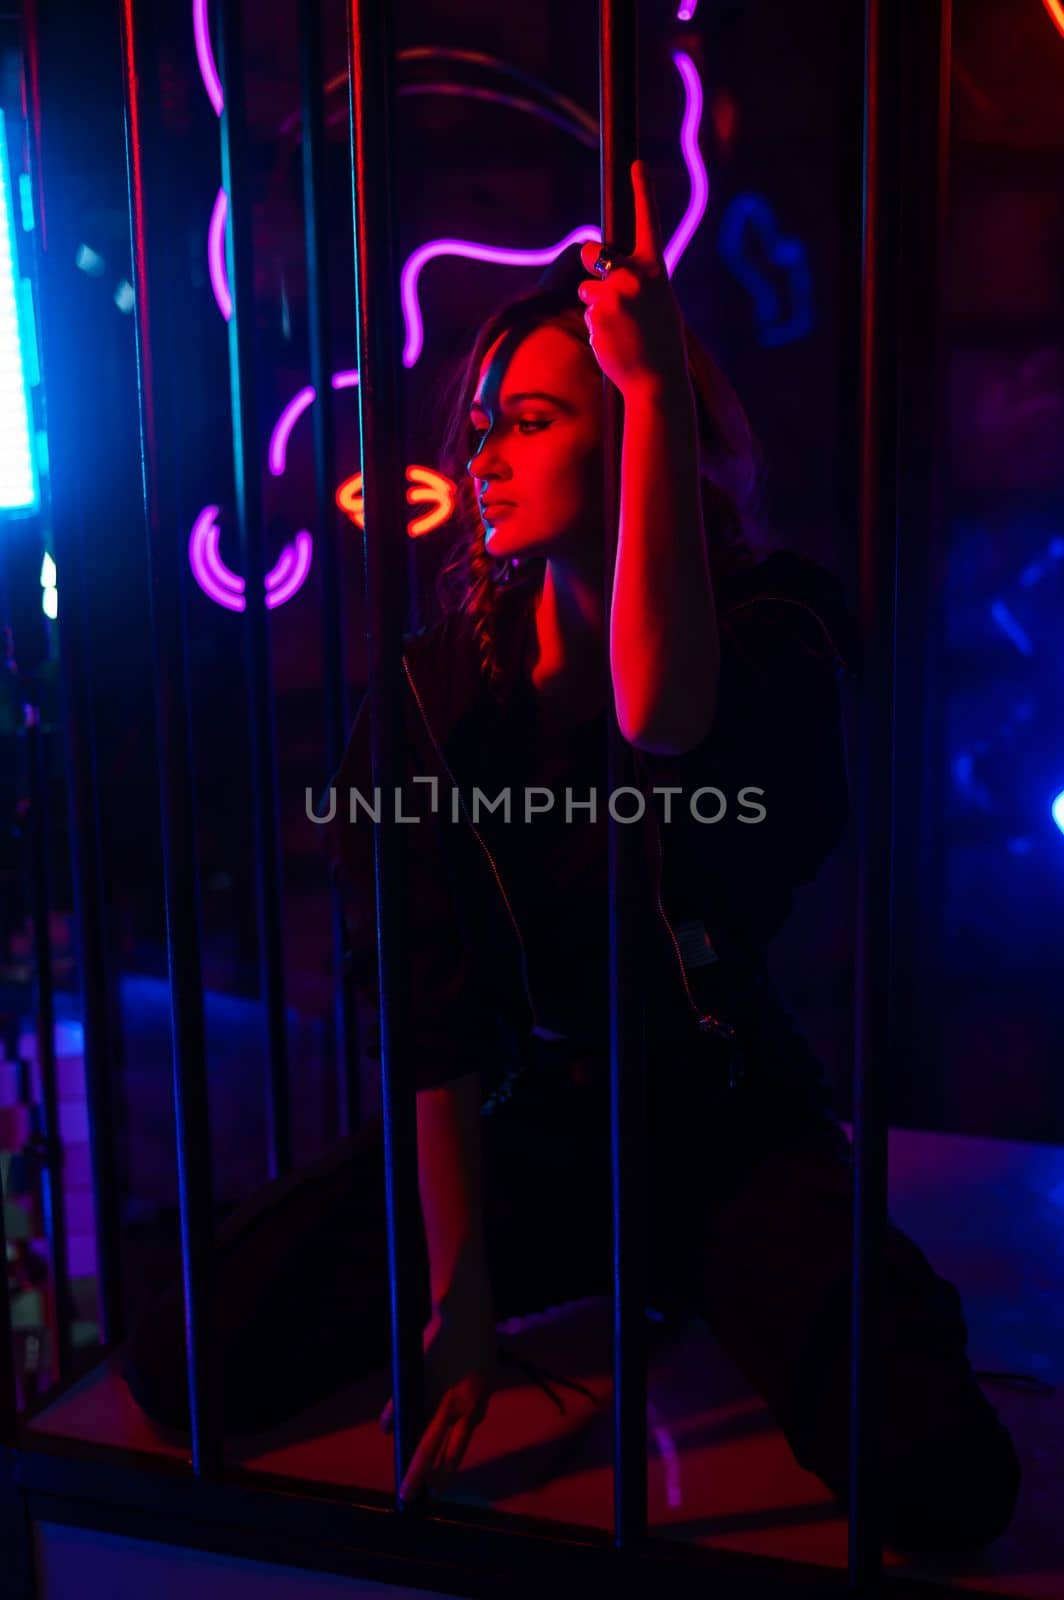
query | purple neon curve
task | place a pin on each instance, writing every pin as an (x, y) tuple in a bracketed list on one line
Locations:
[(469, 251), (501, 256), (295, 580), (216, 254), (212, 560), (205, 56), (692, 155), (687, 10), (277, 450), (282, 428), (284, 579), (283, 570), (208, 569)]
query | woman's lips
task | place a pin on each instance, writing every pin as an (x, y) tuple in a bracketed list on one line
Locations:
[(497, 509)]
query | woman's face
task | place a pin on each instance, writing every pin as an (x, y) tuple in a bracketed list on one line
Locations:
[(537, 460)]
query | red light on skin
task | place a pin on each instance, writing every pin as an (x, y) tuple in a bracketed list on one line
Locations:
[(426, 487)]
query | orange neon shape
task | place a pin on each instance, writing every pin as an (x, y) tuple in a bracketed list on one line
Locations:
[(426, 486), (1056, 11)]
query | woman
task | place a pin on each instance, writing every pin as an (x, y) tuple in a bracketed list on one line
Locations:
[(723, 676)]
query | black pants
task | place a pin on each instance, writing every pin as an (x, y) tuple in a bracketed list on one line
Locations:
[(749, 1226)]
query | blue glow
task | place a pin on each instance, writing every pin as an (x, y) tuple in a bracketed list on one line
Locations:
[(18, 479), (1058, 811), (25, 195), (1011, 628), (781, 318)]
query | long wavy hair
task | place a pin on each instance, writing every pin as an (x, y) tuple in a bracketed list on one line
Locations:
[(470, 579)]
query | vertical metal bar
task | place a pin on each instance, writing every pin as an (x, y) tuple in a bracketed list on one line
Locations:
[(618, 122), (919, 897), (371, 69), (329, 528), (8, 1379), (152, 251), (247, 473), (878, 563), (56, 70), (52, 1151)]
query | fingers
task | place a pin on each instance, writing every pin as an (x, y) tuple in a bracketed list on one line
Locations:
[(589, 254), (589, 292), (455, 1448), (443, 1444), (423, 1461), (648, 246)]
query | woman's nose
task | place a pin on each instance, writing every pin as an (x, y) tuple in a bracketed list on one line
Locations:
[(486, 463)]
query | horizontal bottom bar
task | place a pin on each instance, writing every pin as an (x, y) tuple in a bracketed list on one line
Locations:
[(454, 1550)]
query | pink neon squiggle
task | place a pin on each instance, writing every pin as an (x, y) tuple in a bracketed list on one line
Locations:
[(345, 380), (467, 250), (292, 584), (282, 428), (692, 154), (696, 210), (216, 254), (213, 577), (687, 10), (205, 56)]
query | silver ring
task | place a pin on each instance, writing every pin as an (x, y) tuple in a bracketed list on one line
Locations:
[(604, 262)]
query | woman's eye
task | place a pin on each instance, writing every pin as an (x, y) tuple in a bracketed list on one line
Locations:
[(525, 425)]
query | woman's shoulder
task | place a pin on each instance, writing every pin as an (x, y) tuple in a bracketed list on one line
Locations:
[(793, 601)]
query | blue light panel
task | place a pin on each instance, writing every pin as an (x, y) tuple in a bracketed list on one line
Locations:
[(18, 474)]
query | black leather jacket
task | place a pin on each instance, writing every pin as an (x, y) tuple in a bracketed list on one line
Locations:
[(786, 640)]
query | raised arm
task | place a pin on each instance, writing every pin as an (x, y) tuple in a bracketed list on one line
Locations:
[(664, 641)]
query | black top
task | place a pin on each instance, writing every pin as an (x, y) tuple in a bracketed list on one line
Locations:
[(786, 637), (556, 870)]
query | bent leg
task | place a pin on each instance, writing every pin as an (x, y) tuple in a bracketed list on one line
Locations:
[(771, 1274), (302, 1297), (301, 1302)]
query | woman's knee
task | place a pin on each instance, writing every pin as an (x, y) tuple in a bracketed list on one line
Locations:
[(948, 1468), (956, 1488), (950, 1474)]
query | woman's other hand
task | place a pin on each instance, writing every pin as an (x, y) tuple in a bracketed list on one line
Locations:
[(633, 318), (461, 1363)]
